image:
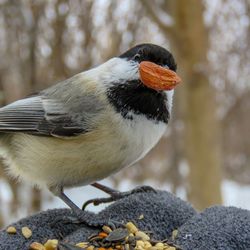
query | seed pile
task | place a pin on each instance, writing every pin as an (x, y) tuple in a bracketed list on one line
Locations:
[(128, 237)]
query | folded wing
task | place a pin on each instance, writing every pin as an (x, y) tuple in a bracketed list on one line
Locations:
[(39, 115)]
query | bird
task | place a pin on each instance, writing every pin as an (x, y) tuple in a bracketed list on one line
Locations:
[(90, 126)]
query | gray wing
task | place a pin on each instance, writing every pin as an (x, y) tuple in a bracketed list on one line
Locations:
[(41, 115)]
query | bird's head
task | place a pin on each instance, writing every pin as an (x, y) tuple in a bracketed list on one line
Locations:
[(141, 81), (152, 65)]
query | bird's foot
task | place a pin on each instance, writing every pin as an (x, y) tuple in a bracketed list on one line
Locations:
[(92, 220), (89, 219), (79, 216), (115, 195)]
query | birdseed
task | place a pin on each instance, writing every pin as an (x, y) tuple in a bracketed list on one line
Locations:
[(26, 232), (37, 246), (141, 217), (120, 238), (51, 244), (174, 234), (131, 227), (11, 230)]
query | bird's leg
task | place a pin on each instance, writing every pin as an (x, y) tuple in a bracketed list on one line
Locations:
[(114, 194), (119, 195), (69, 202), (104, 188), (80, 216)]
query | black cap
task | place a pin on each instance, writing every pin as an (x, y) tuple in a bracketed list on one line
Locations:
[(151, 52)]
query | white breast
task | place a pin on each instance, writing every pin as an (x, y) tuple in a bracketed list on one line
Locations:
[(142, 134)]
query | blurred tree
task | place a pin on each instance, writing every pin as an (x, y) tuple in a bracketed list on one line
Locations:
[(189, 41), (229, 60), (58, 44), (11, 76)]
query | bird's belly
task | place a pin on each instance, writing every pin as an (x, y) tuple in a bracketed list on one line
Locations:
[(84, 159)]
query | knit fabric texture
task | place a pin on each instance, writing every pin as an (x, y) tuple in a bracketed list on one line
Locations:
[(217, 227)]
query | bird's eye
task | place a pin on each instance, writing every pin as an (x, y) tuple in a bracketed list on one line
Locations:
[(137, 57)]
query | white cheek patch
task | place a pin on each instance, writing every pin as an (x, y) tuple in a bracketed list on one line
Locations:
[(118, 70)]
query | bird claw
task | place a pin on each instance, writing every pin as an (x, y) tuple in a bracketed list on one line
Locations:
[(98, 201), (116, 195), (113, 224), (65, 220), (78, 217)]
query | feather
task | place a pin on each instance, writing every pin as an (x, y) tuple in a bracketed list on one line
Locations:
[(40, 115)]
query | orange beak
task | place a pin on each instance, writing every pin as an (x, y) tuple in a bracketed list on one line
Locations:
[(157, 77)]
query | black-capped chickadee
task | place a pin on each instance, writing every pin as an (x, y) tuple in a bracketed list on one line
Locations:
[(91, 125)]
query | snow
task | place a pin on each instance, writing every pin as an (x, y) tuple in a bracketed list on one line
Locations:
[(233, 194), (78, 196)]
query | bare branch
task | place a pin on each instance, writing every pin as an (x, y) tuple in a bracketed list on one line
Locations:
[(240, 100), (155, 15)]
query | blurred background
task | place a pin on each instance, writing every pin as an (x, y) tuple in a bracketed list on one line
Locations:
[(204, 156)]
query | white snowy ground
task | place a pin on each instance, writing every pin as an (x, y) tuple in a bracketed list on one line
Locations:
[(233, 195)]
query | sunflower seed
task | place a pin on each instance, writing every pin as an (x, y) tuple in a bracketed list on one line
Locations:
[(117, 235)]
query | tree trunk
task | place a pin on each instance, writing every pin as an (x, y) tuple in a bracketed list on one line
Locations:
[(202, 144)]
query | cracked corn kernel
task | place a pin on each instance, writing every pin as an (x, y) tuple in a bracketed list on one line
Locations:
[(141, 217), (82, 244), (147, 244), (51, 244), (37, 246), (11, 230), (174, 234), (106, 229), (139, 243), (90, 248), (131, 227), (142, 235), (159, 245), (26, 232)]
